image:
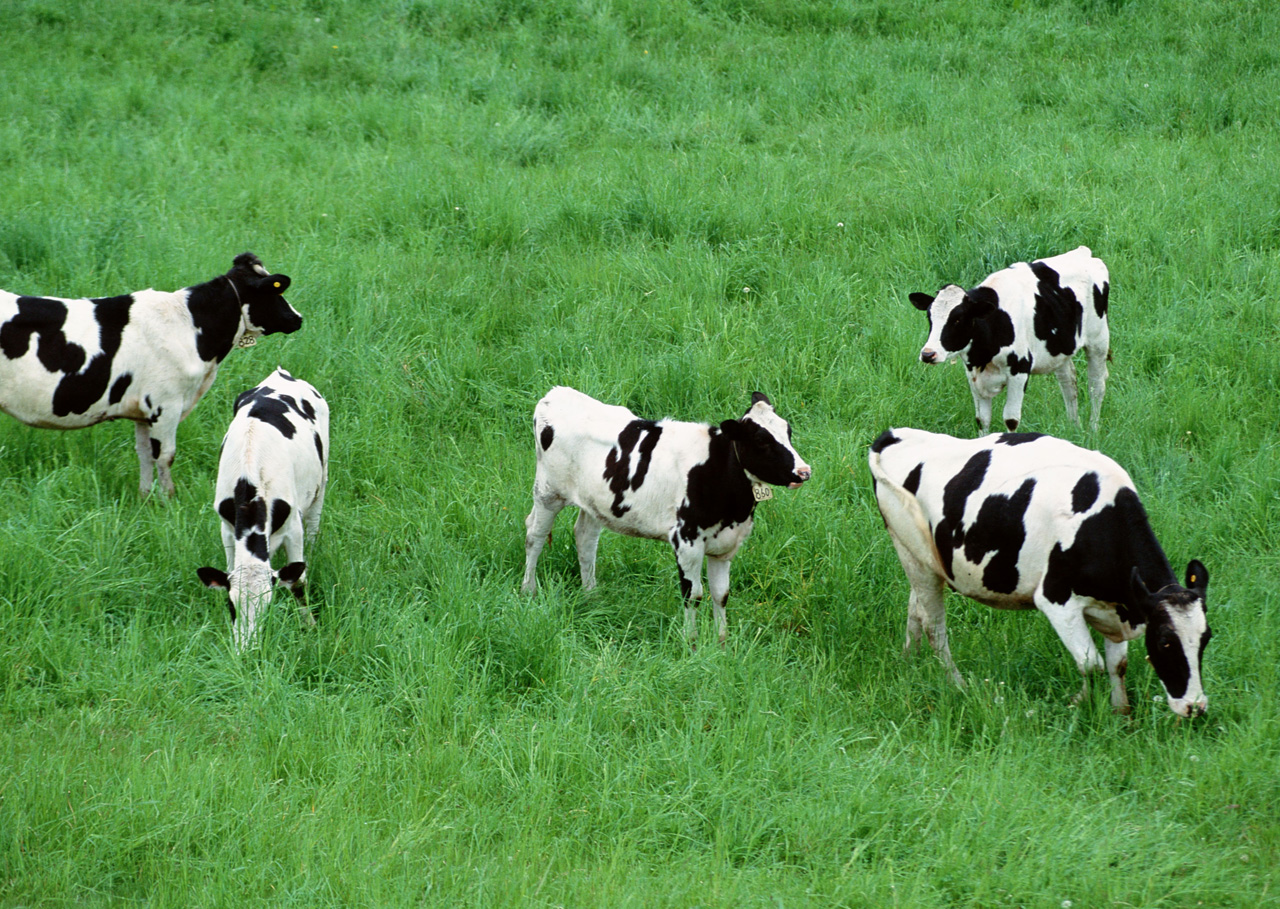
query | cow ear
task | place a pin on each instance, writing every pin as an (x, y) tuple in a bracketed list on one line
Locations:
[(983, 301), (758, 396), (277, 283), (212, 577), (731, 428), (291, 573), (1138, 593), (920, 301), (1197, 577)]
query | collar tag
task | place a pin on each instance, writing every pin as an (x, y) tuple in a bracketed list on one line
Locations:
[(246, 341), (761, 492)]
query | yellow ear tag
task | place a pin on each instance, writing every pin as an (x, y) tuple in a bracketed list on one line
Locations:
[(277, 283), (1193, 580)]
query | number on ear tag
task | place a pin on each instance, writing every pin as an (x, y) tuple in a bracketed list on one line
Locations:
[(246, 341), (761, 492)]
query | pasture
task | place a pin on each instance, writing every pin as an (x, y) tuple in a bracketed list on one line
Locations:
[(666, 204)]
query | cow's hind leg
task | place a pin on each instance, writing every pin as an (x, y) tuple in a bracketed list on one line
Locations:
[(1069, 621), (586, 534), (293, 547), (162, 435), (1066, 374), (927, 612), (146, 457), (1117, 665), (537, 529), (1097, 381)]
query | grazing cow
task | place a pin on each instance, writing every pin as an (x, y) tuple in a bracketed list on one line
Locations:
[(1021, 521), (147, 356), (1027, 318), (271, 479), (693, 485)]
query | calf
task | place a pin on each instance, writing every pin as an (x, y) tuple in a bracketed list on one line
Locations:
[(693, 485), (147, 356), (1021, 521), (1027, 318), (271, 478)]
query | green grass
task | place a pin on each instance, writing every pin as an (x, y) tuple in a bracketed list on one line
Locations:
[(665, 204)]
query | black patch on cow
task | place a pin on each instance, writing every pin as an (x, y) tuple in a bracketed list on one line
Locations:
[(155, 449), (46, 318), (979, 323), (155, 415), (1020, 365), (686, 584), (1058, 314), (912, 483), (949, 533), (639, 436), (1085, 493), (251, 509), (884, 440), (227, 510), (216, 316), (308, 411), (1100, 295), (546, 437), (717, 492), (1018, 438), (280, 511), (319, 446), (273, 409), (1108, 545), (760, 453), (119, 387), (1000, 528), (256, 543)]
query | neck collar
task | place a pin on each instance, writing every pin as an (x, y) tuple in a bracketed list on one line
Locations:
[(247, 337)]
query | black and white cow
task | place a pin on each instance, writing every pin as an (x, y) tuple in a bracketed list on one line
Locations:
[(1027, 318), (271, 480), (147, 356), (693, 485), (1021, 521)]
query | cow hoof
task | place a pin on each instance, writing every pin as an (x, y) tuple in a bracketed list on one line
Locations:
[(1122, 711)]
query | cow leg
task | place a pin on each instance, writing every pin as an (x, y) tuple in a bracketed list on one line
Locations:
[(311, 518), (1097, 382), (1066, 374), (981, 403), (689, 562), (718, 584), (293, 548), (163, 442), (537, 529), (586, 534), (1117, 664), (1017, 386), (146, 458), (927, 612), (1068, 620)]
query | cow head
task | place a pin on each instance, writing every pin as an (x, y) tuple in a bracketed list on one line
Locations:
[(1177, 632), (262, 303), (249, 588), (954, 315), (762, 440)]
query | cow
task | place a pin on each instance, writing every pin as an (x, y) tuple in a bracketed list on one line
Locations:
[(692, 484), (272, 473), (1022, 521), (147, 356), (1027, 318)]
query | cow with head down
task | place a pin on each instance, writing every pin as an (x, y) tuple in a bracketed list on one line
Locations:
[(692, 484), (1029, 318), (272, 474), (147, 356), (1023, 521)]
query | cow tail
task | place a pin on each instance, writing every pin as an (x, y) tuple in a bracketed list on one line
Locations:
[(920, 544)]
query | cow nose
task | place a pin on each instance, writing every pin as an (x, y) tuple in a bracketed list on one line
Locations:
[(927, 356), (804, 473)]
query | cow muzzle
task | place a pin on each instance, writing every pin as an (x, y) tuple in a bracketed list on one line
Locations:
[(1190, 709), (929, 355), (804, 473)]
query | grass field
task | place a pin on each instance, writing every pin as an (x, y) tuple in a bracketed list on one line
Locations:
[(667, 204)]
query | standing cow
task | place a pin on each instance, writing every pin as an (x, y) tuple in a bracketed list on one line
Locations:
[(1027, 318), (271, 480), (693, 485), (1021, 521), (147, 356)]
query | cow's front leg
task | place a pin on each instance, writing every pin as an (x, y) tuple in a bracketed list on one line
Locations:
[(1097, 382), (1066, 374), (718, 584), (1068, 620), (1013, 400), (981, 400), (586, 534), (163, 441), (1117, 665), (689, 562)]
